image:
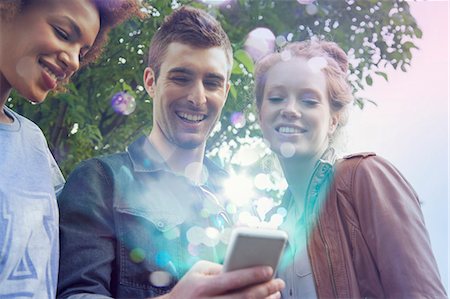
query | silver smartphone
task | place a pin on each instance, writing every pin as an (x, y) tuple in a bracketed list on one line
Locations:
[(250, 247)]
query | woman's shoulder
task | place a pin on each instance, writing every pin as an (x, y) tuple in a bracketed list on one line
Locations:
[(23, 123), (366, 166)]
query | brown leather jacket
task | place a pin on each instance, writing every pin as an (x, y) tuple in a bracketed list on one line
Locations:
[(369, 239)]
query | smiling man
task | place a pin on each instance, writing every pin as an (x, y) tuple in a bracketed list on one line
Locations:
[(142, 223)]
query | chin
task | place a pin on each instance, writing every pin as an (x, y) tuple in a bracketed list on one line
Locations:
[(36, 98)]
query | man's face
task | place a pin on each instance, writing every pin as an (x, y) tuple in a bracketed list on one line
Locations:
[(188, 95)]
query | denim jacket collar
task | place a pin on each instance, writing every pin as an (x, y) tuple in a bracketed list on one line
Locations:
[(145, 158)]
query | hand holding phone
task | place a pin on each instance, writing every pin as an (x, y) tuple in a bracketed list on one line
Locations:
[(249, 247)]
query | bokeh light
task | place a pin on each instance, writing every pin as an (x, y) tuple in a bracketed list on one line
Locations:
[(160, 278), (137, 255), (260, 42), (237, 119), (239, 189), (123, 103), (287, 149), (316, 64), (280, 41)]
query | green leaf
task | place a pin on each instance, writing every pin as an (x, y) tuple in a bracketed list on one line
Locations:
[(369, 80), (243, 57), (382, 74)]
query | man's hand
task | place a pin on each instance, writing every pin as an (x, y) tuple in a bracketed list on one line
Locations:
[(206, 280)]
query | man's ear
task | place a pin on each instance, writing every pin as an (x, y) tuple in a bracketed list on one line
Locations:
[(149, 81)]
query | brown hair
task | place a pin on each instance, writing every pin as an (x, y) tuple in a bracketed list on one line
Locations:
[(189, 26), (339, 89), (111, 12)]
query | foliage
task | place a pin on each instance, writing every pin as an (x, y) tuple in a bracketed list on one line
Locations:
[(80, 123)]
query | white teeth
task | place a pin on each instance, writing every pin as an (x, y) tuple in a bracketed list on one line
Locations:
[(191, 117), (289, 130), (52, 74)]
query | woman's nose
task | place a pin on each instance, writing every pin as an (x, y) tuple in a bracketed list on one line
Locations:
[(291, 110), (71, 60)]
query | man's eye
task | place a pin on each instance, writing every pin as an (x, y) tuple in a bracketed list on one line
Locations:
[(61, 32), (180, 80), (213, 84)]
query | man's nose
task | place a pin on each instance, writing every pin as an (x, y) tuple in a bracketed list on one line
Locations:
[(197, 96)]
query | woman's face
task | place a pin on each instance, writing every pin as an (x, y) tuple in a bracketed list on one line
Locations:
[(42, 45), (295, 114)]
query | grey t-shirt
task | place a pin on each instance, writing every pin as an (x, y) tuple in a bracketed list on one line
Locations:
[(29, 238)]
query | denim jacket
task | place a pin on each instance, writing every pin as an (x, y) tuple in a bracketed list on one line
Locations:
[(131, 228)]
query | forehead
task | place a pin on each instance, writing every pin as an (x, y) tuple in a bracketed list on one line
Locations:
[(212, 59), (83, 13), (295, 73)]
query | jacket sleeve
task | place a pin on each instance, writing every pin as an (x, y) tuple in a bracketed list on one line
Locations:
[(392, 224), (87, 242)]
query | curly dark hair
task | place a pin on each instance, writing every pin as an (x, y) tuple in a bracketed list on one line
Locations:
[(112, 13)]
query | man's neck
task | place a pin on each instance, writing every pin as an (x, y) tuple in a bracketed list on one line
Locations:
[(182, 161)]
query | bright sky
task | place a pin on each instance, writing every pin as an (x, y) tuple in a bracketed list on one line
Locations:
[(410, 126)]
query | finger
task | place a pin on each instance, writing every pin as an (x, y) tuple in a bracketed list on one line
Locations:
[(240, 279), (267, 290), (206, 267)]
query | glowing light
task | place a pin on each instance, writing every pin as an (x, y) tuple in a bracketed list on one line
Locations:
[(247, 219), (238, 119), (280, 41), (239, 189), (276, 220), (246, 156), (123, 103), (260, 42), (195, 235), (287, 149), (316, 64), (264, 205), (282, 212), (191, 170), (311, 9), (286, 55), (160, 278), (137, 255), (305, 2), (162, 258), (172, 233), (212, 237), (215, 2), (193, 249), (262, 181), (231, 208)]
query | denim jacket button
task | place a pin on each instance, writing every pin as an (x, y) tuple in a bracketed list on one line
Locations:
[(160, 224)]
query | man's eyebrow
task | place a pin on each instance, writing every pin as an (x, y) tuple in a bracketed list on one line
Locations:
[(215, 76), (180, 69)]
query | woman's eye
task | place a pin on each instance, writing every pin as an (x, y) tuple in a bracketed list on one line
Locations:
[(275, 99), (61, 33), (310, 102)]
